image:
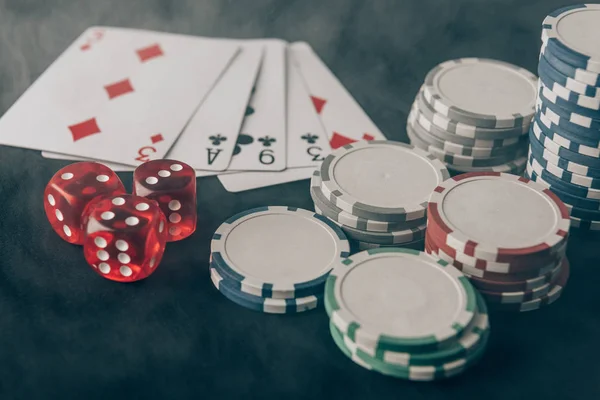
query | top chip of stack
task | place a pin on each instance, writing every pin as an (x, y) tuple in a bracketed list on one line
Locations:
[(506, 233), (474, 114), (259, 258), (565, 135), (377, 192), (404, 314)]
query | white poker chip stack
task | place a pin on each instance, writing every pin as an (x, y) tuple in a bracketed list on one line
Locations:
[(377, 192), (474, 114)]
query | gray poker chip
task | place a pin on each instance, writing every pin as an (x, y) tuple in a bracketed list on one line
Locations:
[(344, 218), (381, 180), (482, 92)]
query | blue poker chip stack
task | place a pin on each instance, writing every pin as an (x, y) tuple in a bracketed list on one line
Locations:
[(564, 153)]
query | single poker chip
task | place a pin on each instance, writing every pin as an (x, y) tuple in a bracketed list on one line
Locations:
[(570, 116), (563, 174), (571, 33), (584, 225), (266, 305), (381, 180), (515, 297), (514, 266), (538, 148), (551, 74), (568, 141), (448, 147), (470, 271), (563, 152), (556, 181), (553, 295), (413, 373), (389, 280), (548, 96), (482, 92), (464, 345), (357, 245), (462, 160), (258, 250), (458, 140), (566, 123), (593, 103), (527, 218), (575, 201), (466, 130), (578, 74), (515, 167), (582, 213), (344, 218)]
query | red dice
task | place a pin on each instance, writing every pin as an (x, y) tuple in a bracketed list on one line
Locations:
[(172, 184), (71, 189), (125, 237)]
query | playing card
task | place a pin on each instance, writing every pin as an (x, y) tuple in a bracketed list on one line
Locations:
[(208, 140), (344, 120), (118, 95), (261, 144), (307, 142), (342, 117)]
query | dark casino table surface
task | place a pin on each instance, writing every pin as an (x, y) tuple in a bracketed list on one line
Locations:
[(65, 333)]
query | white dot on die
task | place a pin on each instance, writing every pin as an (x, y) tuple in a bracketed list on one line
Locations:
[(125, 270), (151, 180), (100, 242), (66, 176), (102, 178), (161, 226), (164, 173), (174, 205), (176, 167), (59, 215), (51, 200), (121, 245), (174, 230), (107, 215), (102, 255), (104, 268), (175, 218), (132, 221), (142, 206), (152, 262), (118, 201), (67, 230), (124, 258)]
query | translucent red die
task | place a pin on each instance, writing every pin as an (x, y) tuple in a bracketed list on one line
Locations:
[(125, 237), (71, 189), (172, 184)]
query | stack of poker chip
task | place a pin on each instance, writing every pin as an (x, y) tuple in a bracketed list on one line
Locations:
[(474, 115), (275, 259), (377, 192), (506, 233), (565, 134), (402, 313)]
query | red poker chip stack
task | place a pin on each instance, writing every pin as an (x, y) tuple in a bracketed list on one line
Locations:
[(506, 233)]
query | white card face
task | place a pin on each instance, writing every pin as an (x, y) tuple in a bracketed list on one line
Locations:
[(343, 118), (208, 141), (255, 180), (118, 95), (115, 167), (262, 140), (307, 142)]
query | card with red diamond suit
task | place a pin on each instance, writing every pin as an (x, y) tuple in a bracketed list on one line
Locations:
[(343, 118), (118, 95), (261, 144), (208, 141)]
